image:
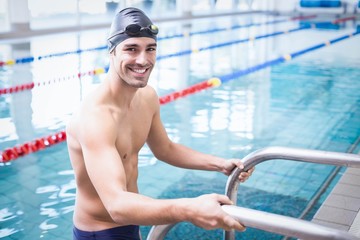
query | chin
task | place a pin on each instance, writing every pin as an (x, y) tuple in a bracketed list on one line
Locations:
[(142, 85), (139, 85)]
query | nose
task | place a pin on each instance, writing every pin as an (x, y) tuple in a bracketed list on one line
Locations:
[(141, 59)]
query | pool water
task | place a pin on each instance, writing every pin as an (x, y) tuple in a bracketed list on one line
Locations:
[(311, 102)]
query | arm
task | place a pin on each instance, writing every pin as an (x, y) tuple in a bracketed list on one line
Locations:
[(177, 154), (108, 176), (184, 157)]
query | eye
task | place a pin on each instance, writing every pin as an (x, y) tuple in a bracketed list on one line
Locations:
[(151, 49), (130, 49)]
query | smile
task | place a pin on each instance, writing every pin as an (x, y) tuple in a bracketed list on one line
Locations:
[(139, 70)]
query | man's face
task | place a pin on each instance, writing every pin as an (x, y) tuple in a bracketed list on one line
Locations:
[(134, 60)]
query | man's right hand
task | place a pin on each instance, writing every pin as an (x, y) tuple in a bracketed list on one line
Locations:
[(205, 211)]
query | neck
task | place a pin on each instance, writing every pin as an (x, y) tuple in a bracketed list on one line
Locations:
[(122, 93)]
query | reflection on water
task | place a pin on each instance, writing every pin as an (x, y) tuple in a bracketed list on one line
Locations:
[(49, 205), (5, 216), (62, 201)]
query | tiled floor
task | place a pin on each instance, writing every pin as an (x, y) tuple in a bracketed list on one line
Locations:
[(341, 208)]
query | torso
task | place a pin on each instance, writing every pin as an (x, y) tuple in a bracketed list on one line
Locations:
[(132, 132)]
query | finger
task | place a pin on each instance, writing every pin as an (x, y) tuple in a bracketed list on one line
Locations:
[(247, 173), (223, 199), (238, 227), (238, 163), (231, 223), (243, 176), (243, 179), (251, 170)]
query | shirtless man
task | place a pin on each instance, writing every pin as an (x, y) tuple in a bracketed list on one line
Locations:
[(105, 136)]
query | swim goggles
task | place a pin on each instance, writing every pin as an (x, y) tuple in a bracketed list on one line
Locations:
[(135, 30)]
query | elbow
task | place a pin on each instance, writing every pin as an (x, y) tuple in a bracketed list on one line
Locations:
[(129, 213), (122, 208), (117, 215), (160, 156), (164, 152), (117, 211)]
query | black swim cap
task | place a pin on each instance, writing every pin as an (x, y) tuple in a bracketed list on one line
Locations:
[(130, 17)]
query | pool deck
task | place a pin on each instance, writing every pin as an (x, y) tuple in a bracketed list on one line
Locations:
[(341, 208)]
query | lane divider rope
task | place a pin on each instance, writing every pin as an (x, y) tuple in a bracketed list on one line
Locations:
[(185, 34), (29, 86), (250, 39), (13, 153), (214, 30), (33, 146)]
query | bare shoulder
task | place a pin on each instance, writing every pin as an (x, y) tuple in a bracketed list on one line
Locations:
[(150, 93), (150, 96), (91, 121)]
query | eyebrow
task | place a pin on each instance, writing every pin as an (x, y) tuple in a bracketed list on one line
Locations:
[(137, 45), (152, 45)]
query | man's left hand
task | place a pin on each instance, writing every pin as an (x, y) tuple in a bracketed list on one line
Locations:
[(232, 163)]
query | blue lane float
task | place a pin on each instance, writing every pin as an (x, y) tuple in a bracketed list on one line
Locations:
[(320, 4), (284, 58), (189, 51), (214, 30), (79, 51), (323, 25)]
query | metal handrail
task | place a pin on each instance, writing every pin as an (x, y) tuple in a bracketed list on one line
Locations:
[(284, 225), (270, 222), (296, 154)]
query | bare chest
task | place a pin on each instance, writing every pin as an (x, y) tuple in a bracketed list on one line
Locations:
[(132, 133)]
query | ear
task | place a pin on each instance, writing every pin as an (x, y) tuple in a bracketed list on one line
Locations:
[(113, 52)]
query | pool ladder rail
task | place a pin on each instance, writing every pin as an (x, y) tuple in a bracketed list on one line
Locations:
[(270, 222)]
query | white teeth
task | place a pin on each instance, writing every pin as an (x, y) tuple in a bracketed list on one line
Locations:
[(139, 70)]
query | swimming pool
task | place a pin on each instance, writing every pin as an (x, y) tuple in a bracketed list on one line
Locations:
[(312, 101)]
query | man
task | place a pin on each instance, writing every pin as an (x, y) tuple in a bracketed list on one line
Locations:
[(105, 136)]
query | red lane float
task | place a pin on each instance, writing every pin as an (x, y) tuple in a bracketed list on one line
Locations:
[(303, 17), (212, 82), (340, 20), (17, 88), (8, 62), (28, 86), (10, 154)]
